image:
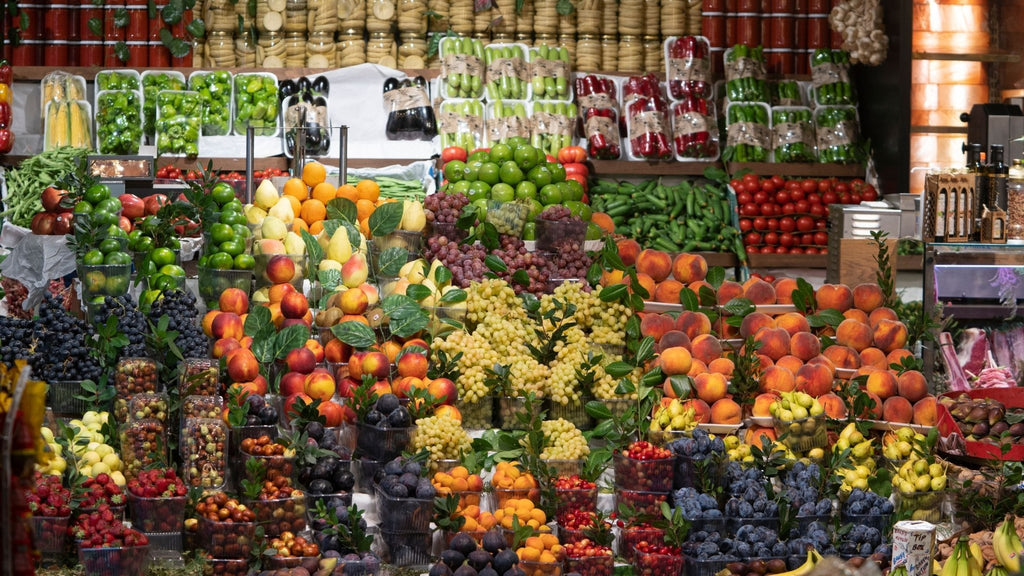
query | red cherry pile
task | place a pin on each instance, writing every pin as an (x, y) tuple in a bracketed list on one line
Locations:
[(589, 559), (576, 520), (101, 490), (102, 529), (585, 548), (661, 549), (157, 483), (49, 498), (650, 559), (643, 450)]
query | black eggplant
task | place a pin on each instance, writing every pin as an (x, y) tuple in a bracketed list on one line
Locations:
[(286, 88), (304, 85), (321, 86), (390, 84)]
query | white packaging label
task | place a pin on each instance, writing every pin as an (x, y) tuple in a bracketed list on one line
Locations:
[(913, 546)]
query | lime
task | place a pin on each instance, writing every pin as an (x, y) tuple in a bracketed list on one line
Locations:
[(110, 205), (94, 281), (577, 208), (501, 153), (117, 284), (530, 231), (479, 190), (115, 231), (221, 261), (526, 156), (204, 261), (102, 218), (241, 231), (516, 141), (502, 192), (222, 193), (489, 173), (539, 175), (96, 193), (145, 244), (575, 189), (526, 190), (162, 256), (83, 208), (148, 298), (134, 236), (535, 209), (109, 245), (481, 205), (563, 187), (550, 194), (117, 258), (234, 206), (454, 170), (163, 282), (232, 247), (479, 156), (220, 233), (510, 173), (93, 257), (173, 244), (173, 270), (244, 262), (594, 232), (460, 187), (557, 171)]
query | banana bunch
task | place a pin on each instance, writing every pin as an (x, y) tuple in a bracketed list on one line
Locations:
[(813, 557), (673, 416), (962, 562), (1007, 545), (68, 123)]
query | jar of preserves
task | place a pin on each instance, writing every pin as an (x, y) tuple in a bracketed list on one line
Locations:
[(295, 50), (247, 18), (322, 16), (270, 50), (294, 16), (654, 56), (438, 23), (351, 14), (220, 50), (589, 14), (320, 51), (351, 48), (220, 16), (545, 18), (569, 41), (269, 16), (159, 55), (524, 21), (673, 17), (631, 54), (1015, 203), (412, 16), (138, 24), (588, 53), (380, 16), (412, 52), (382, 50), (610, 17), (57, 22), (245, 50), (652, 16), (610, 52), (460, 16), (631, 17)]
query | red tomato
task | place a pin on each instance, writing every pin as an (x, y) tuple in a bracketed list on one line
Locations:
[(868, 193), (760, 223), (787, 224), (809, 185), (793, 185), (824, 185), (771, 238), (856, 198), (796, 250), (821, 238), (778, 182), (749, 209), (842, 187), (797, 195), (781, 250), (803, 207), (771, 209), (735, 182), (805, 224), (786, 239), (814, 198), (743, 197), (810, 250), (773, 224), (760, 197), (821, 224), (746, 224), (569, 154), (768, 186), (753, 250), (830, 197), (576, 168), (752, 238), (807, 239), (789, 208), (818, 210), (782, 196), (823, 250), (751, 179)]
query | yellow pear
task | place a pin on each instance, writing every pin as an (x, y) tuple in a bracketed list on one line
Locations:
[(413, 217), (254, 214), (354, 271), (294, 245), (339, 248), (323, 239), (283, 211), (414, 271), (432, 274), (266, 195), (328, 264), (273, 228)]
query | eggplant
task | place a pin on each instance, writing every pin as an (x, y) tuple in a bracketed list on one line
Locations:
[(391, 84), (321, 86), (304, 85), (420, 81), (286, 88)]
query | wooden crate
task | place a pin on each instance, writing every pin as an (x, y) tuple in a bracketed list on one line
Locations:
[(854, 262)]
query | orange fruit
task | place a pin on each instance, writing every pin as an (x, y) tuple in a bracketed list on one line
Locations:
[(324, 192), (603, 221), (296, 203), (364, 227), (296, 188), (313, 210), (368, 190), (364, 208), (313, 173), (316, 227), (298, 225), (348, 192)]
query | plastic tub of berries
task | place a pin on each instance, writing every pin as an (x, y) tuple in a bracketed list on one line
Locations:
[(804, 434), (278, 515), (803, 523), (695, 567), (567, 500), (554, 235), (240, 433), (575, 412), (143, 444), (406, 548), (508, 408), (508, 217), (159, 514), (571, 535), (199, 377), (564, 467), (734, 523), (591, 565), (689, 473), (51, 535), (227, 539), (541, 568), (149, 405), (632, 474), (630, 536), (396, 514), (503, 495), (204, 444), (655, 564), (164, 542), (202, 407), (116, 561), (62, 397), (477, 415), (225, 567), (273, 466), (383, 444), (880, 522), (277, 562), (135, 376), (642, 501)]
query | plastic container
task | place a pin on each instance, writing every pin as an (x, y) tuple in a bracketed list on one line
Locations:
[(225, 567), (118, 80), (601, 133), (831, 80), (330, 501), (793, 134), (926, 506), (551, 69), (838, 132), (255, 103), (178, 122), (630, 537), (506, 119), (507, 73), (212, 282), (204, 445), (227, 539), (745, 75), (202, 407), (734, 524), (748, 131), (554, 236), (119, 122), (802, 435), (577, 499), (51, 535), (508, 407), (120, 561), (502, 495), (477, 415), (157, 514), (216, 92), (564, 467), (61, 396), (643, 475), (688, 66), (153, 81), (880, 522), (149, 405), (647, 130), (198, 377), (541, 568), (642, 501), (462, 60), (383, 444), (143, 443), (280, 515), (554, 125), (591, 565), (273, 466), (507, 217), (309, 563), (406, 548), (100, 280), (695, 130), (444, 319), (695, 567), (574, 412), (460, 122), (410, 514)]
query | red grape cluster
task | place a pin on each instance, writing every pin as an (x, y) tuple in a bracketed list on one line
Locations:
[(466, 262), (444, 208), (569, 262), (515, 256), (559, 213)]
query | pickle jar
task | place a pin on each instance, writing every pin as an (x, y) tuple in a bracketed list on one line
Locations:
[(295, 50), (588, 53), (382, 50), (589, 14), (654, 55), (269, 20), (412, 16), (460, 16), (438, 23), (351, 48), (295, 16), (351, 15), (610, 52), (220, 50), (569, 41), (380, 16), (652, 15), (545, 18), (322, 17), (631, 17), (245, 50), (220, 17), (320, 51), (673, 17), (247, 19), (270, 51), (412, 52), (631, 54), (1015, 207)]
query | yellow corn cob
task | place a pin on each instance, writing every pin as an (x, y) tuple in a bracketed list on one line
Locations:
[(63, 124), (72, 89), (79, 131), (51, 124)]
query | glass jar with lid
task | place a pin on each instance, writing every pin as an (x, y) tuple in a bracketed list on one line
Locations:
[(631, 54), (610, 52), (245, 49), (460, 16), (295, 16), (412, 52), (545, 17), (438, 23), (412, 16), (248, 18), (381, 49), (295, 50), (1015, 203), (631, 17), (610, 17), (270, 15), (652, 16), (220, 50), (654, 56), (320, 51), (380, 15), (351, 15), (270, 50), (589, 16), (220, 16), (588, 53), (524, 37), (673, 17), (350, 48), (524, 19), (502, 37), (569, 41), (322, 16)]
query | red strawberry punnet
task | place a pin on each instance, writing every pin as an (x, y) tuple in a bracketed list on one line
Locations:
[(49, 498)]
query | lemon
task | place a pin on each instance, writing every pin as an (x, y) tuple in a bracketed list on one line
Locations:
[(104, 450), (118, 478), (58, 465), (112, 461), (100, 468), (90, 458)]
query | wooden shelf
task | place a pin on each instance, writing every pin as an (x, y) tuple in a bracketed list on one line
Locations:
[(643, 168), (910, 262), (938, 129), (967, 56), (787, 260)]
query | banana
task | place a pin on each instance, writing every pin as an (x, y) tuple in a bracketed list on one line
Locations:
[(900, 570), (1007, 546), (997, 570), (963, 558), (812, 559), (976, 555), (949, 567)]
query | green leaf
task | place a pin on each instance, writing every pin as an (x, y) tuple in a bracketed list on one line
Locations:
[(442, 275), (150, 9), (738, 307), (803, 296), (530, 302), (716, 174), (355, 334), (406, 327), (385, 219), (121, 51), (314, 252), (564, 7), (96, 26), (613, 292), (831, 316), (521, 277), (417, 292), (454, 295), (681, 385), (391, 260), (715, 277), (176, 46), (495, 264), (257, 321), (618, 369), (598, 410), (644, 351), (689, 300), (120, 18), (342, 209), (399, 306), (707, 296), (173, 11), (290, 338), (197, 28)]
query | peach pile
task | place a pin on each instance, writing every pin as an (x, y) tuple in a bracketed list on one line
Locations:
[(661, 275)]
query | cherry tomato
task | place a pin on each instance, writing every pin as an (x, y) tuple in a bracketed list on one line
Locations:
[(789, 208), (824, 185), (735, 182), (796, 250), (778, 182), (771, 238), (856, 198), (814, 198), (810, 250), (746, 224), (869, 194), (751, 179), (773, 224), (805, 223), (787, 224), (821, 238), (829, 197), (781, 250), (818, 210), (821, 225), (797, 195), (786, 239), (803, 207), (753, 250), (760, 223), (743, 197), (842, 188), (793, 185), (807, 239), (749, 209), (760, 197), (809, 185), (768, 186), (752, 238), (782, 196)]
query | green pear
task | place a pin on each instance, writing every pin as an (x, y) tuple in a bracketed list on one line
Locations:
[(283, 210), (254, 214), (273, 228), (293, 244), (266, 195)]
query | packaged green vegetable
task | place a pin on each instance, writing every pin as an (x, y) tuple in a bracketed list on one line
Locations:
[(215, 90), (256, 104), (745, 74), (118, 122), (117, 80), (154, 81), (462, 67), (507, 72), (838, 135), (793, 136), (554, 124), (830, 76), (788, 93), (748, 131), (461, 123), (551, 73), (178, 122)]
